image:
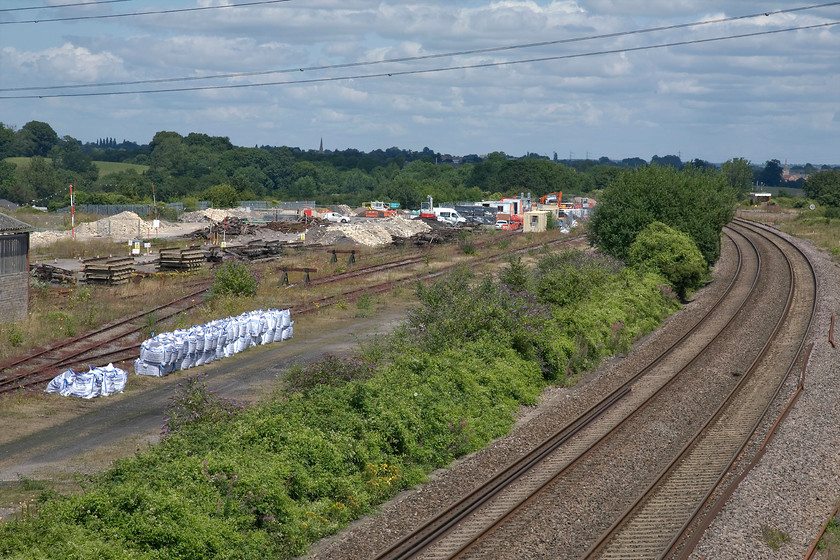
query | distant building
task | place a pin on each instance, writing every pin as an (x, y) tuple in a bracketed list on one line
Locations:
[(759, 197), (14, 269)]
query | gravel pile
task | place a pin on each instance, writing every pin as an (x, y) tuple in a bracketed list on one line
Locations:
[(373, 233), (44, 238), (124, 227), (214, 214)]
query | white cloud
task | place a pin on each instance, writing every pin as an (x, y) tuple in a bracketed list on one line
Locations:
[(68, 64)]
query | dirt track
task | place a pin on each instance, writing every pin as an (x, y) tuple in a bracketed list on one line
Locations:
[(112, 427)]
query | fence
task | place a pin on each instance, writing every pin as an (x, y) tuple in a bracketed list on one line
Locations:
[(113, 209), (144, 209)]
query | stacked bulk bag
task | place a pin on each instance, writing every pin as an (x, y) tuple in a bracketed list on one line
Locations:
[(202, 344), (97, 382)]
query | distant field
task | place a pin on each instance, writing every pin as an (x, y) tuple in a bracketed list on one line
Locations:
[(110, 167), (105, 167)]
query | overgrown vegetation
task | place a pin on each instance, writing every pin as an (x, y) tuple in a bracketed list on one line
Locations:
[(672, 253), (693, 201), (339, 437), (235, 278), (774, 538), (829, 544)]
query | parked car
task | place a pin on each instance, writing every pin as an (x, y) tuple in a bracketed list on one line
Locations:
[(502, 224), (336, 217)]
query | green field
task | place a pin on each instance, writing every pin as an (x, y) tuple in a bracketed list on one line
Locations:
[(105, 167)]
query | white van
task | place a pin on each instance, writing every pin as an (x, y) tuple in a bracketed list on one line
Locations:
[(450, 216)]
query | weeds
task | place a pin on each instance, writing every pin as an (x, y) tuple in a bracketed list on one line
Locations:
[(330, 370), (194, 404), (364, 306), (830, 542), (774, 538)]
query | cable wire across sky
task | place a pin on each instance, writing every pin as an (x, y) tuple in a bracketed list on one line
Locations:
[(131, 14), (428, 56), (429, 70)]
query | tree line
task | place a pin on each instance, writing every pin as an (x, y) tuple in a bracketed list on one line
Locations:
[(201, 167)]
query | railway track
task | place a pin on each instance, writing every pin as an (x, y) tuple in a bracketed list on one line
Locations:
[(117, 341), (42, 364), (572, 467), (653, 526)]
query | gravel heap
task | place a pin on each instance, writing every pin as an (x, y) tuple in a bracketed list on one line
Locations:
[(44, 238), (122, 227), (373, 233), (214, 214)]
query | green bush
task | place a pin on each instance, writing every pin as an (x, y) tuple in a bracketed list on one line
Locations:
[(697, 202), (234, 278), (672, 253)]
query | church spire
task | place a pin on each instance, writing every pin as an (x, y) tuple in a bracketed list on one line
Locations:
[(321, 149)]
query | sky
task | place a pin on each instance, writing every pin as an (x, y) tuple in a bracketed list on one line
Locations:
[(707, 79)]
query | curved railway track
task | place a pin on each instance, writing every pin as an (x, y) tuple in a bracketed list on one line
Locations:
[(117, 341), (653, 525), (564, 472)]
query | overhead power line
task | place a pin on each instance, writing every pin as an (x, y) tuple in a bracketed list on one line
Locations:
[(149, 13), (424, 57), (435, 70), (86, 4)]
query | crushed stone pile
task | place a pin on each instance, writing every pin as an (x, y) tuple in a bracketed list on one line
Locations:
[(44, 238), (370, 234), (214, 215), (121, 227)]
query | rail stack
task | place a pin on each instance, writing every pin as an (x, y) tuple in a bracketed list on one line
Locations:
[(52, 274), (108, 270), (181, 260), (257, 250)]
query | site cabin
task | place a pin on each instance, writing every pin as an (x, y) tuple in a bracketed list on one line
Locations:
[(449, 216), (759, 198), (537, 221)]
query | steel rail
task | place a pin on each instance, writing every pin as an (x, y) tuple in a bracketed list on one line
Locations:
[(437, 527), (699, 527), (631, 535)]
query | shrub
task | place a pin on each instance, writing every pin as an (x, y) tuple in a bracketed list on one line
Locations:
[(567, 278), (235, 278), (672, 253), (193, 403), (330, 370), (694, 201)]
